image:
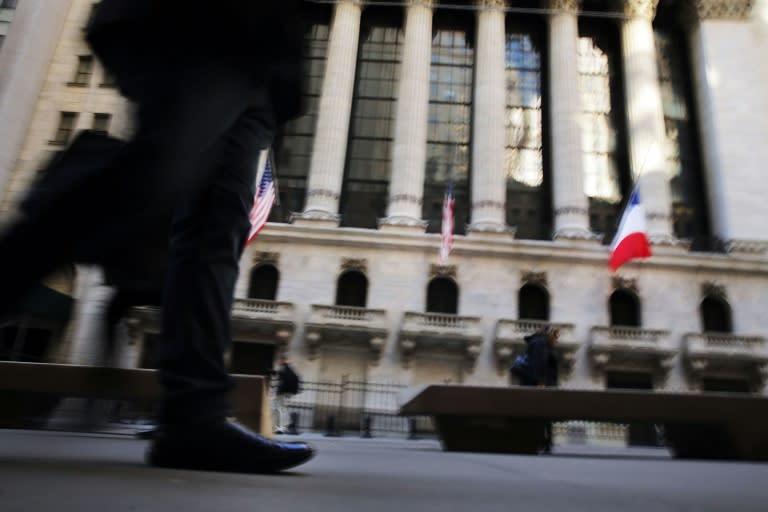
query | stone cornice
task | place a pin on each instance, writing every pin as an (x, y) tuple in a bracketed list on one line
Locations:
[(641, 8), (323, 234), (571, 6), (721, 9)]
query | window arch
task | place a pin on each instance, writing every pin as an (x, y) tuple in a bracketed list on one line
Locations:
[(352, 289), (533, 302), (263, 284), (442, 296), (625, 308), (715, 315)]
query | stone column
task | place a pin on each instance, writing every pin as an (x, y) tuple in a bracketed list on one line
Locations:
[(703, 19), (326, 170), (409, 150), (24, 59), (489, 182), (570, 203), (645, 118)]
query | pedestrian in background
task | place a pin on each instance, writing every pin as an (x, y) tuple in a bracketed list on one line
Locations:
[(288, 384)]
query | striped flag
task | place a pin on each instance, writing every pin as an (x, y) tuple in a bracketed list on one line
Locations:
[(631, 241), (262, 202), (446, 234)]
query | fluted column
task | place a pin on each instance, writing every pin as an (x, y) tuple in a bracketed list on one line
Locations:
[(326, 170), (570, 203), (645, 118), (489, 182), (24, 60), (409, 150)]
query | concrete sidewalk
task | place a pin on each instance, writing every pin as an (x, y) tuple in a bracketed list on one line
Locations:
[(54, 471)]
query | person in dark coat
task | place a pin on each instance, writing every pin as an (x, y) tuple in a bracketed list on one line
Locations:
[(288, 384), (543, 358), (211, 83), (543, 370)]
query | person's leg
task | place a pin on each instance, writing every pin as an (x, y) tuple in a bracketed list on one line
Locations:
[(208, 235), (207, 238)]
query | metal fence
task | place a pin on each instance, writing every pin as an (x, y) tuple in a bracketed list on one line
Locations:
[(350, 406)]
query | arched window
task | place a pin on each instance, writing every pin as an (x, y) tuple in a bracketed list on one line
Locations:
[(533, 303), (715, 315), (352, 289), (625, 308), (263, 284), (442, 296)]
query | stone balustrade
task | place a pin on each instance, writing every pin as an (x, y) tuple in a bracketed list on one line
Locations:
[(440, 333), (727, 354), (632, 348), (346, 325)]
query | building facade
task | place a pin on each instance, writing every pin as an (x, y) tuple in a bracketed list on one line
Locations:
[(544, 114)]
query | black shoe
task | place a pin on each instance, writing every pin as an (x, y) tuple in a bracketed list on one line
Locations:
[(223, 445)]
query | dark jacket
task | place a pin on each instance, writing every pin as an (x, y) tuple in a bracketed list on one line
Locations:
[(543, 359), (288, 381), (262, 36)]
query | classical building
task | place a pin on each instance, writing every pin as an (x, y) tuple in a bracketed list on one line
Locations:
[(545, 114)]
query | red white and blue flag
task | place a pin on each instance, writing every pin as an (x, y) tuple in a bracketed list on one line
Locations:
[(262, 202), (631, 241), (446, 233)]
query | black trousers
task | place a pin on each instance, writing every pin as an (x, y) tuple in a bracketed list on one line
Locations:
[(188, 173)]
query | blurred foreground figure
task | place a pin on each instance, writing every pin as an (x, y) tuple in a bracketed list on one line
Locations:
[(211, 82)]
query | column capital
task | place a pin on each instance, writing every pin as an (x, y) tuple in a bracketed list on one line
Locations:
[(491, 4), (569, 6), (720, 9), (645, 9)]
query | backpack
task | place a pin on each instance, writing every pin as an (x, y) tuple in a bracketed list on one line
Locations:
[(521, 367), (291, 382)]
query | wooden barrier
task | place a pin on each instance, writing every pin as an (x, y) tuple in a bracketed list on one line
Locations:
[(512, 419), (250, 400)]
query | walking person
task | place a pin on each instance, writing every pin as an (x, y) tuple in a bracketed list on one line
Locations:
[(288, 385), (205, 107), (540, 367)]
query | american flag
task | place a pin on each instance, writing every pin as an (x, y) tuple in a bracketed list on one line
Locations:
[(446, 235), (262, 202)]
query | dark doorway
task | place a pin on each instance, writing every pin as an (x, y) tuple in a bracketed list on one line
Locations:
[(443, 296), (263, 283), (352, 289), (533, 303), (640, 433), (252, 358), (716, 315), (725, 385), (624, 308)]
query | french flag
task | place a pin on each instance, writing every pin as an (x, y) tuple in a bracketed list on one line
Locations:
[(631, 241)]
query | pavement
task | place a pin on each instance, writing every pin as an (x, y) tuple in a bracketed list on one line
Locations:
[(59, 471)]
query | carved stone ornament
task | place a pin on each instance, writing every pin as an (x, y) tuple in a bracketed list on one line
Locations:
[(425, 3), (723, 9), (261, 258), (625, 283), (571, 6), (359, 265), (492, 4), (539, 278), (641, 8), (442, 271), (710, 289)]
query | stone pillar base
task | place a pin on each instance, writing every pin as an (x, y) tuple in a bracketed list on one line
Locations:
[(397, 224), (316, 219), (491, 231)]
